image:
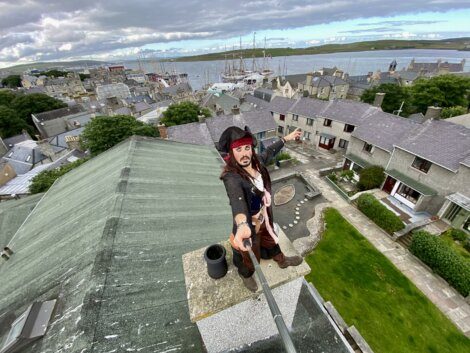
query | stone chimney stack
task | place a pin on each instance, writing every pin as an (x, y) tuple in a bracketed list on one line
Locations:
[(433, 113), (236, 110), (379, 99), (163, 131), (309, 79), (46, 149)]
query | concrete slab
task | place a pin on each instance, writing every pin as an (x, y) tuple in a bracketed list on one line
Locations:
[(207, 296)]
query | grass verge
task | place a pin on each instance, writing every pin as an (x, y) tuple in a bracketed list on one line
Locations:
[(372, 294)]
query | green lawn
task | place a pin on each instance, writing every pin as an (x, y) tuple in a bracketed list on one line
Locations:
[(370, 293)]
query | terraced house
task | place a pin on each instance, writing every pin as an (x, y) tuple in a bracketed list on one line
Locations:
[(325, 124), (427, 165)]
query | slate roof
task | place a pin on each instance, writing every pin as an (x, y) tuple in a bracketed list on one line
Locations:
[(59, 140), (440, 142), (59, 113), (307, 107), (294, 80), (257, 121), (256, 102), (281, 105), (349, 112), (11, 141), (196, 133), (107, 239), (22, 156), (179, 88), (12, 215), (384, 130), (346, 111)]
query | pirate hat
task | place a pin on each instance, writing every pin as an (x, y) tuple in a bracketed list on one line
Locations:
[(234, 134)]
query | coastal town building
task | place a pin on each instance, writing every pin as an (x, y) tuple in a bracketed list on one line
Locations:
[(440, 67), (60, 120)]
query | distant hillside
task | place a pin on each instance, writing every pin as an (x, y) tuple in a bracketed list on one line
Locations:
[(18, 69), (450, 44)]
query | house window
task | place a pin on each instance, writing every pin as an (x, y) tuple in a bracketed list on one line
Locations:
[(343, 143), (367, 147), (421, 164), (295, 117), (309, 121), (280, 129), (348, 128), (327, 122), (282, 117), (408, 193), (306, 135)]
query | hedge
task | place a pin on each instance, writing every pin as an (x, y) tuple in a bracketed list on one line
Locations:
[(443, 260), (379, 214), (371, 177)]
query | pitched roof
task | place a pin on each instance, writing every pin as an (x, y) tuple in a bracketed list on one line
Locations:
[(281, 105), (307, 107), (11, 141), (100, 243), (440, 142), (384, 130), (196, 133), (256, 120), (12, 215), (256, 102), (59, 113), (293, 80)]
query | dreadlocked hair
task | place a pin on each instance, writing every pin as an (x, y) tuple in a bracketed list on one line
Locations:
[(231, 166)]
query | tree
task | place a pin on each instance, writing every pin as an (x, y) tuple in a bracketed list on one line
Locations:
[(443, 91), (12, 81), (84, 76), (394, 96), (44, 180), (103, 132), (370, 177), (453, 111), (6, 97), (10, 123), (183, 113), (54, 73), (28, 104)]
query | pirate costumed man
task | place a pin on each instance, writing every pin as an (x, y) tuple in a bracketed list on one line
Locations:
[(248, 187)]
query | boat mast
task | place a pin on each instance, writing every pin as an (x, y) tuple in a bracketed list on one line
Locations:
[(254, 51)]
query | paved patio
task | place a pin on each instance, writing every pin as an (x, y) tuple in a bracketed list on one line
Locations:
[(447, 299)]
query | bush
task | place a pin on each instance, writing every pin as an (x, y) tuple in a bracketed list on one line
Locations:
[(44, 180), (333, 177), (283, 156), (379, 214), (458, 234), (347, 174), (443, 260), (370, 178), (466, 244)]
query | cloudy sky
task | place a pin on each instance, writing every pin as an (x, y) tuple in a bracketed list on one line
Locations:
[(44, 30)]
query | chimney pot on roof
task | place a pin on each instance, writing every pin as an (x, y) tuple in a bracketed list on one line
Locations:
[(7, 251), (5, 256), (235, 110), (379, 99), (433, 113)]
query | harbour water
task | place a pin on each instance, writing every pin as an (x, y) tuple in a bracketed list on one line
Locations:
[(355, 63)]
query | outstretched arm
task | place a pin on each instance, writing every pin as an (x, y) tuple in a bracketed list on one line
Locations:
[(271, 151)]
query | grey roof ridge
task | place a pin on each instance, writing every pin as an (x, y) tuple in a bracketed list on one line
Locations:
[(93, 299), (415, 154)]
